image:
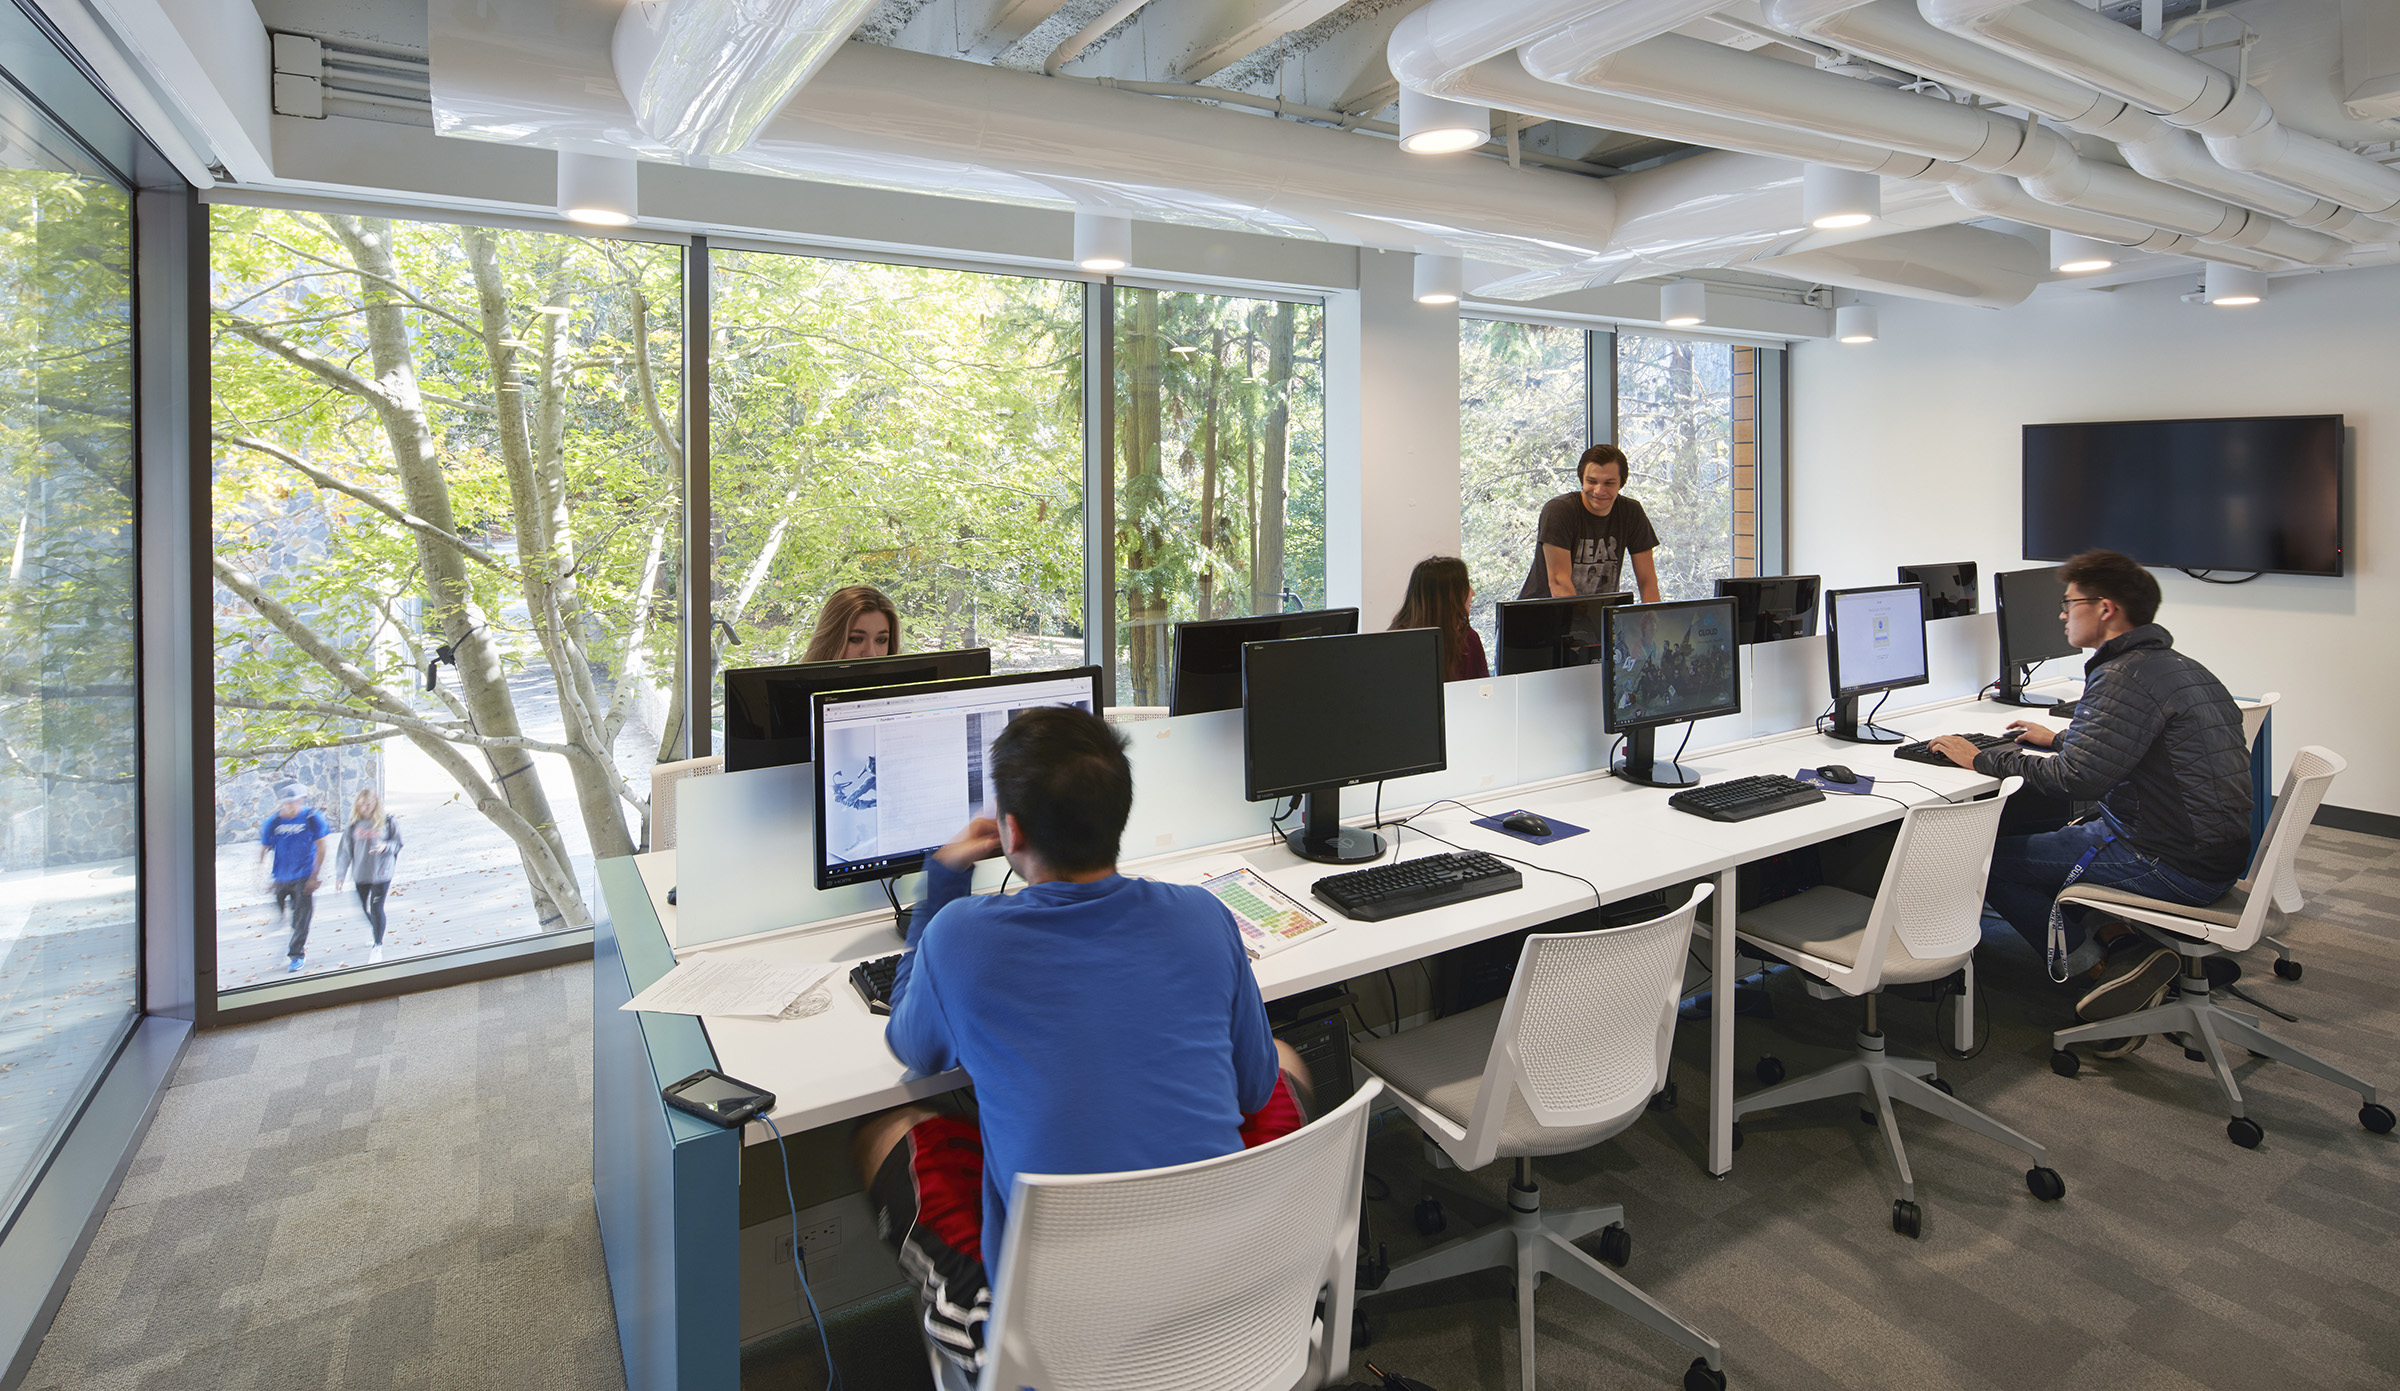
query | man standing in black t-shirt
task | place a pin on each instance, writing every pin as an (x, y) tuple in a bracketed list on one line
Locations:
[(1584, 537)]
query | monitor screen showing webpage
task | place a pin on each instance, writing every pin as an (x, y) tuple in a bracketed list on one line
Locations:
[(1878, 639), (901, 770)]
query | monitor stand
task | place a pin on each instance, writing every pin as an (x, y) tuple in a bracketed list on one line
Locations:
[(1848, 729), (1639, 763), (2012, 691), (1323, 838)]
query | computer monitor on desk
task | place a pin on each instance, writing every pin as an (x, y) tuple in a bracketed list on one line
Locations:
[(1667, 664), (1546, 634), (1322, 714), (903, 768), (767, 710), (1950, 590), (1771, 608), (1874, 642), (2031, 631), (1208, 654)]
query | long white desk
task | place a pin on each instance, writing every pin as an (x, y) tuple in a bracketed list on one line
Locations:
[(835, 1066)]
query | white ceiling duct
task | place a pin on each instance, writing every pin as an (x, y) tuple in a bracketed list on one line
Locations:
[(2371, 59), (703, 75), (2238, 124), (1963, 265), (1433, 45)]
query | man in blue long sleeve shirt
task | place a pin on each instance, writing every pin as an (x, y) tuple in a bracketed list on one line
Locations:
[(1109, 1023)]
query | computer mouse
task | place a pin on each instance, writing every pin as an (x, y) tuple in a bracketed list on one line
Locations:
[(1526, 823), (1835, 772)]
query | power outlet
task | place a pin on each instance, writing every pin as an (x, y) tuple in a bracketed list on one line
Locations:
[(814, 1240)]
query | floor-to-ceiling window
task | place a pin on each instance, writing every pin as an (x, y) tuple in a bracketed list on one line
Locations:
[(1675, 423), (447, 497), (1524, 413), (1219, 469), (69, 801)]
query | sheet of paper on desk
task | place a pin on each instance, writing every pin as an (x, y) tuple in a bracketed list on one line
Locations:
[(726, 984), (1268, 919)]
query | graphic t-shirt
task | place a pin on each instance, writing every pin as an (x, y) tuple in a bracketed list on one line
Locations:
[(294, 839), (1596, 547)]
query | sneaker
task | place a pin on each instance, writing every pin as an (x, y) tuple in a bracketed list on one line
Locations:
[(295, 964), (375, 953), (2130, 981)]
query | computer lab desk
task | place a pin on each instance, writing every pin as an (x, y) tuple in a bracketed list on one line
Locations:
[(673, 1297)]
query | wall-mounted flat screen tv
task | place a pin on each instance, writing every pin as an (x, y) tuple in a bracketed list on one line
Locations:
[(2256, 493)]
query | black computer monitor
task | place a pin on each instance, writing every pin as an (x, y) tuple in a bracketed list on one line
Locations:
[(767, 714), (1771, 608), (1874, 642), (904, 766), (1667, 663), (1950, 590), (1546, 634), (1322, 714), (2031, 631), (1208, 655)]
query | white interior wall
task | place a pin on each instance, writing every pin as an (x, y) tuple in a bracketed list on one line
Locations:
[(1391, 436), (1907, 450)]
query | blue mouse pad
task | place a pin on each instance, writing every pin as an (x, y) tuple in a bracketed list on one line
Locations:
[(1809, 776), (1559, 830)]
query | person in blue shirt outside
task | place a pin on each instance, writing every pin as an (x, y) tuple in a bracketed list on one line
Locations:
[(1108, 1023), (295, 838)]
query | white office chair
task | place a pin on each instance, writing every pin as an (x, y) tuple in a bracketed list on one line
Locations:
[(1568, 1059), (2287, 880), (1234, 1273), (1921, 925), (2232, 924), (665, 780)]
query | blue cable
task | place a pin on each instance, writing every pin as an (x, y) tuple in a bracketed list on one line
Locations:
[(799, 1257)]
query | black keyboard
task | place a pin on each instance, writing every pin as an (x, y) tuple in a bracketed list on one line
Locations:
[(1412, 886), (1743, 798), (874, 981), (1922, 751)]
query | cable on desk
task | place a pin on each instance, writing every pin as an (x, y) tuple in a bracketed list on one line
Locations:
[(1275, 820), (800, 1257), (1398, 826)]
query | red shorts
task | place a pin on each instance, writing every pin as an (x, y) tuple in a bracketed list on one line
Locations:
[(928, 1201)]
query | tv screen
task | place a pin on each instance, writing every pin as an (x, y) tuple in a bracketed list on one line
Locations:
[(2259, 493)]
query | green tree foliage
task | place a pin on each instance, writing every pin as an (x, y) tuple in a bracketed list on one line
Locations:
[(1675, 424), (1521, 426)]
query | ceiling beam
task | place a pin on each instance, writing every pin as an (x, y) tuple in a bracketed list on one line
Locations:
[(1253, 25), (1013, 20)]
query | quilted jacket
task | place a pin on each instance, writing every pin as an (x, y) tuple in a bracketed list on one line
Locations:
[(2156, 740)]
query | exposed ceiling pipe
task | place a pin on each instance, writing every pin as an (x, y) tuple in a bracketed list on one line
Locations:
[(1689, 72), (1892, 31), (1090, 34), (703, 75), (2238, 124), (1432, 46)]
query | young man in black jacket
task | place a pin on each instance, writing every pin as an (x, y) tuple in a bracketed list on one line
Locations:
[(2158, 743)]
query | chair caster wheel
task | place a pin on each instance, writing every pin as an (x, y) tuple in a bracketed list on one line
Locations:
[(1940, 1086), (1664, 1098), (2195, 1055), (2045, 1184), (1616, 1244), (1737, 1135), (1701, 1377), (1769, 1071), (2376, 1117), (2064, 1062), (1906, 1219), (1430, 1218), (1866, 1115), (2245, 1132), (2288, 969)]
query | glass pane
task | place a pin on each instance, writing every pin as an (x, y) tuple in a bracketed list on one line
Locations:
[(1219, 460), (69, 800), (447, 494), (1675, 424), (1521, 426), (912, 429)]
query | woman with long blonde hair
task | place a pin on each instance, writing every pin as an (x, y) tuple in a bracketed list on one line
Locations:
[(1439, 594), (369, 851), (857, 621)]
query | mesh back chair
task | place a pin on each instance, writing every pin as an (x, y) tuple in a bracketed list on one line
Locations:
[(2287, 879), (1922, 925), (2232, 924), (1229, 1274), (1568, 1059)]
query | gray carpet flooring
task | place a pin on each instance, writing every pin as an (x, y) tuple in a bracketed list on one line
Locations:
[(397, 1195)]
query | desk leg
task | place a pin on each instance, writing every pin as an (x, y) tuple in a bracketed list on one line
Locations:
[(1963, 1025), (1720, 1029)]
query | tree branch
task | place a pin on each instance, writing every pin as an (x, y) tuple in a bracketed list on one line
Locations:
[(321, 367), (274, 750), (323, 479), (405, 723)]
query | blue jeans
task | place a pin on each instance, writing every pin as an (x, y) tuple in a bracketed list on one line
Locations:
[(2029, 871)]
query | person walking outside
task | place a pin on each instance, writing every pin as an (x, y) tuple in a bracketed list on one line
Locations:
[(294, 838), (370, 849)]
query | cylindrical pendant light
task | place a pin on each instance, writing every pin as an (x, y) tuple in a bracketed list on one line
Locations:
[(1833, 198), (2074, 255), (597, 190), (1854, 323), (2234, 285), (1683, 303), (1440, 279), (1440, 126), (1103, 241)]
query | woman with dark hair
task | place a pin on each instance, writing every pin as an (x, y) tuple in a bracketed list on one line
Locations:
[(1438, 596), (857, 621)]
